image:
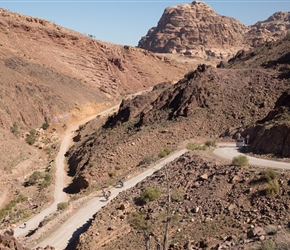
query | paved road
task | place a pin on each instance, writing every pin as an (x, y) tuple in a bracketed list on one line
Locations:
[(70, 229), (229, 150)]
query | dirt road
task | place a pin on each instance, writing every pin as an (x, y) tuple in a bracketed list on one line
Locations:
[(229, 150), (61, 177), (71, 228)]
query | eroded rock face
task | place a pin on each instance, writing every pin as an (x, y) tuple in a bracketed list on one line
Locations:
[(8, 241), (272, 134), (195, 29)]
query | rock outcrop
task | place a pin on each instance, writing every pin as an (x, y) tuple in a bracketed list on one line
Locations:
[(272, 134), (196, 30), (8, 241)]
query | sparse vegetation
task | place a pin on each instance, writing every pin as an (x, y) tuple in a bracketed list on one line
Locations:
[(14, 128), (62, 206), (147, 160), (210, 143), (45, 126), (240, 161), (272, 179), (8, 208), (150, 194), (37, 176), (178, 195), (164, 152), (31, 137), (137, 221), (267, 245), (195, 146), (273, 188)]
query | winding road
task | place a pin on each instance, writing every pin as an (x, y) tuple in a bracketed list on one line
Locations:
[(60, 181), (73, 226), (229, 150)]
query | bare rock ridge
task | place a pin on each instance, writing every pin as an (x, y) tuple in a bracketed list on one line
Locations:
[(195, 29)]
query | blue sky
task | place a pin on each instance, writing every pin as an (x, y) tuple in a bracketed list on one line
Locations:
[(126, 21)]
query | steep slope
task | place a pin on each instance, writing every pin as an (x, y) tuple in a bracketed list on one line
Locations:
[(52, 75), (207, 101), (196, 30), (271, 135)]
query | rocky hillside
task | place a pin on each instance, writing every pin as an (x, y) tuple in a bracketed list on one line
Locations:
[(196, 30), (271, 135), (212, 206), (53, 76), (207, 101)]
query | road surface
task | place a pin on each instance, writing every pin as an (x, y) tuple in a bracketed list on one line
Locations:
[(229, 150), (60, 179), (71, 228)]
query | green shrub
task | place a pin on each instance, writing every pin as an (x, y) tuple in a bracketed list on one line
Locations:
[(137, 221), (62, 206), (267, 245), (150, 194), (45, 126), (240, 161), (46, 180), (31, 137), (147, 160), (195, 146), (210, 143), (178, 195), (164, 152), (270, 175), (273, 188), (34, 178)]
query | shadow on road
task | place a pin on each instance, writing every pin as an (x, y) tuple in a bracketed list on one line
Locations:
[(72, 241)]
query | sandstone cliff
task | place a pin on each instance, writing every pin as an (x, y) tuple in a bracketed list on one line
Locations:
[(196, 30)]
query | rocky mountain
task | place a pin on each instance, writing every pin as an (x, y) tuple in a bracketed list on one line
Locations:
[(207, 101), (196, 30), (50, 74)]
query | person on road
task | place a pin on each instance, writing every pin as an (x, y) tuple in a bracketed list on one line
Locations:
[(121, 183), (24, 224), (107, 195)]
